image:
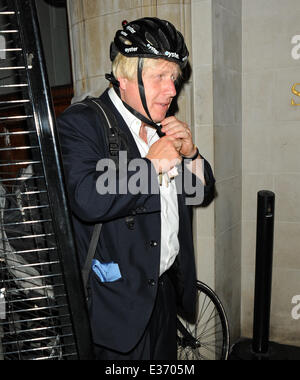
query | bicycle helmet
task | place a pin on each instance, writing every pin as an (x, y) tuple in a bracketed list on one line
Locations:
[(148, 37)]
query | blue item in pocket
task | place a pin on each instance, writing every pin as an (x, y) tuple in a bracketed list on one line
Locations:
[(107, 272)]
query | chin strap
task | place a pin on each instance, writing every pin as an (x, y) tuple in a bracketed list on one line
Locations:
[(116, 85), (142, 87)]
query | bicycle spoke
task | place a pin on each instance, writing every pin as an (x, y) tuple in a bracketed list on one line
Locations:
[(208, 337)]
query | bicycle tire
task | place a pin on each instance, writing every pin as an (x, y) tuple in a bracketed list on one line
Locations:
[(209, 337)]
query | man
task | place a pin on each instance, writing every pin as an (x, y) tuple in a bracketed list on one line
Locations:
[(144, 271)]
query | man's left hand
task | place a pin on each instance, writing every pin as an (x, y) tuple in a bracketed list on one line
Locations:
[(174, 127)]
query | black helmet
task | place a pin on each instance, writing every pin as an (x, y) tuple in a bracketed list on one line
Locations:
[(147, 37), (150, 37)]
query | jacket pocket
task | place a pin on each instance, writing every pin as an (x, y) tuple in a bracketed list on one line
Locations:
[(106, 272)]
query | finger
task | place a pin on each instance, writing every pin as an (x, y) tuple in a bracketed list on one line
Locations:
[(178, 145), (184, 135), (168, 120), (175, 128)]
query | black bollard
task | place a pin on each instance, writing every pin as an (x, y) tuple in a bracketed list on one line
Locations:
[(263, 272), (259, 348)]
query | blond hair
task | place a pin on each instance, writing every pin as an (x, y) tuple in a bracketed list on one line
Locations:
[(125, 67)]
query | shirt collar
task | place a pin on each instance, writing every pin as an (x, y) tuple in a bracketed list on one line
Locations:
[(132, 121)]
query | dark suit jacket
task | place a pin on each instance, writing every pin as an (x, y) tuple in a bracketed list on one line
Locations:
[(120, 310)]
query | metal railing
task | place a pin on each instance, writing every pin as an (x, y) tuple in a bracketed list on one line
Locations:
[(42, 306)]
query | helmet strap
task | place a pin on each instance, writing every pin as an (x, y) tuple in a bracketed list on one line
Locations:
[(142, 87), (116, 86)]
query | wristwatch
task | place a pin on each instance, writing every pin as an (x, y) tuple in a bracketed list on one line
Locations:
[(194, 157)]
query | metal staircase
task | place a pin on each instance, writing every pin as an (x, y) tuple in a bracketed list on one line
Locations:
[(42, 306)]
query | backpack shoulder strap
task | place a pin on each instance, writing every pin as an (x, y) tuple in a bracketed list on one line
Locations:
[(116, 140), (109, 121), (113, 142), (90, 256)]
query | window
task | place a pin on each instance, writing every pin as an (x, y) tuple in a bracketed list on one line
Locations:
[(55, 38)]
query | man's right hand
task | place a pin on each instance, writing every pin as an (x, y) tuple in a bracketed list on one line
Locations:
[(164, 154)]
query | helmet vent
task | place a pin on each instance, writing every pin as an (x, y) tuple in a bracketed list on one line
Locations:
[(164, 41), (125, 41), (152, 41)]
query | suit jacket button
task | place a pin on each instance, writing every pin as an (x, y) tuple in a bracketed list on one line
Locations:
[(153, 244), (151, 282)]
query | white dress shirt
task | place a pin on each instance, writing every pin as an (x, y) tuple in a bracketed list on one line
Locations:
[(168, 192)]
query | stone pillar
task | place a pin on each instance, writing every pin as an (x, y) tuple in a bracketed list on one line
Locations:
[(227, 95), (93, 24), (217, 112)]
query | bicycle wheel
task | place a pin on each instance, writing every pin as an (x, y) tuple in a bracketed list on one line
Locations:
[(208, 338)]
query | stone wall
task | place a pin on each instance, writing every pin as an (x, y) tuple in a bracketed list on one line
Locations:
[(271, 137)]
